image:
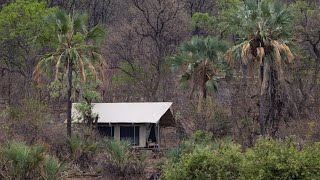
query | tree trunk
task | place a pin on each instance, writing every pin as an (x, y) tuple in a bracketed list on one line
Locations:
[(261, 103), (69, 97), (204, 92), (261, 115), (273, 102), (200, 101), (316, 70), (28, 86), (9, 88)]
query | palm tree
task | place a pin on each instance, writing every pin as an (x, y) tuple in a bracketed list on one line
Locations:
[(77, 51), (202, 59), (264, 28)]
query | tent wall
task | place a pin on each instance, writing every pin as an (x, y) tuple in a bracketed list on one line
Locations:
[(142, 132)]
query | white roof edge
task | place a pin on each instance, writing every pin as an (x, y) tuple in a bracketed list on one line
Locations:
[(131, 112)]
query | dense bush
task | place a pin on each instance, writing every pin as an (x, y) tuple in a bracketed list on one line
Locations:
[(268, 159), (32, 122), (123, 161), (28, 121), (82, 151), (202, 137), (20, 161), (176, 153), (281, 159), (207, 162)]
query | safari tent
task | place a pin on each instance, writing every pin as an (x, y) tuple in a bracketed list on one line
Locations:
[(140, 123)]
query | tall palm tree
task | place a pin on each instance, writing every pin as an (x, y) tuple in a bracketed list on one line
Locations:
[(264, 28), (77, 52), (203, 60)]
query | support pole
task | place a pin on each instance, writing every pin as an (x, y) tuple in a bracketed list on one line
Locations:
[(158, 124), (111, 130), (134, 135)]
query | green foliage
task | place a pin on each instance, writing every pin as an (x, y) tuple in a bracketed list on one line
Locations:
[(24, 21), (202, 137), (20, 161), (85, 113), (203, 20), (281, 159), (205, 162), (77, 51), (226, 8), (310, 161), (119, 151), (264, 36), (267, 19), (175, 154), (76, 43), (24, 34), (268, 159), (200, 56), (123, 161), (82, 150), (52, 168), (83, 91)]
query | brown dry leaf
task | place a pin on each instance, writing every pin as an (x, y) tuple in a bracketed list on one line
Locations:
[(245, 52), (252, 68), (228, 56), (260, 53), (83, 75), (288, 52), (278, 61), (283, 48), (93, 70), (264, 83)]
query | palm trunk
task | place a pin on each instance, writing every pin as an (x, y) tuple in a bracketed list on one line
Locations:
[(69, 97), (204, 93), (273, 106), (276, 104), (261, 115), (262, 104), (200, 101)]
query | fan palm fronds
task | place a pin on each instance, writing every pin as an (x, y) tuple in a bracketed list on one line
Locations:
[(263, 27), (203, 59), (77, 51)]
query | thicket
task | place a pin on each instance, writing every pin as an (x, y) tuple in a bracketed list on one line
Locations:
[(123, 161), (223, 159), (29, 145), (20, 161)]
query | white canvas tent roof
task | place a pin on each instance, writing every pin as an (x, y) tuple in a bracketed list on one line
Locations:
[(142, 112)]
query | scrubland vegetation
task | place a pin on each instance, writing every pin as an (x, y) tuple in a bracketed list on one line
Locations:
[(243, 77)]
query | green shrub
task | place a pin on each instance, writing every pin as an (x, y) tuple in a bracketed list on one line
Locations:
[(202, 137), (281, 159), (20, 161), (119, 151), (123, 161), (268, 159), (176, 153), (82, 150), (310, 161), (52, 168), (206, 162)]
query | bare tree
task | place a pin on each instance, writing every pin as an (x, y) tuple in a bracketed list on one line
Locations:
[(148, 32)]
